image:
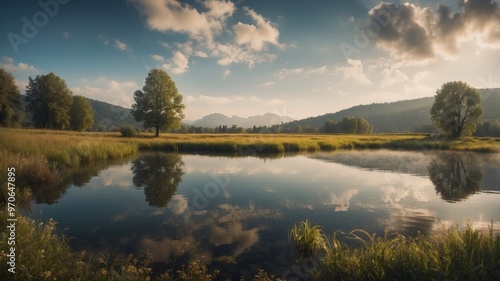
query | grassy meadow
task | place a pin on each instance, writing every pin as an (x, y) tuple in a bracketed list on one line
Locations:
[(41, 156)]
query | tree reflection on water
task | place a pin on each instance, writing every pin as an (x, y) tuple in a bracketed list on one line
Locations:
[(50, 193), (159, 174), (456, 176)]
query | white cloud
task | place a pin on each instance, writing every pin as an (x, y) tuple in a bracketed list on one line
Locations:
[(208, 99), (256, 36), (220, 9), (9, 65), (178, 204), (227, 72), (341, 201), (178, 65), (213, 100), (353, 71), (107, 90), (306, 71), (392, 77), (415, 85), (230, 54), (204, 29), (285, 72), (267, 84), (65, 35), (200, 54), (158, 58), (120, 45), (171, 15)]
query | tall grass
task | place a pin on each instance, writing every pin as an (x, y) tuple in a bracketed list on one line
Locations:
[(308, 240), (450, 254), (71, 148), (282, 143), (65, 148), (41, 254), (39, 155)]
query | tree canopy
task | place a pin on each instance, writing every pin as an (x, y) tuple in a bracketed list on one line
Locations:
[(11, 103), (49, 100), (457, 109), (82, 116), (348, 125), (159, 104)]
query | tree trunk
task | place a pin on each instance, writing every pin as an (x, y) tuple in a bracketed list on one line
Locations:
[(157, 132)]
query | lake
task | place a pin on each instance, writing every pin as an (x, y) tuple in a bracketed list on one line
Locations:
[(192, 207)]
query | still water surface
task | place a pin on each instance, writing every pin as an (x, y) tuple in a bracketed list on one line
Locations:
[(192, 207)]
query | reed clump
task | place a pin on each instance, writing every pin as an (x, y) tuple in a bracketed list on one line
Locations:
[(449, 254)]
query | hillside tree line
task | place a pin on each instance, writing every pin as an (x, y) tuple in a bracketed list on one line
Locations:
[(348, 125), (49, 102)]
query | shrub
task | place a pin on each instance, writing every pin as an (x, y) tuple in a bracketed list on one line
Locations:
[(128, 131)]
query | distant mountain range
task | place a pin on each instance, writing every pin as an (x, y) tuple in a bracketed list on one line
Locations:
[(395, 117), (108, 117), (217, 119), (402, 116)]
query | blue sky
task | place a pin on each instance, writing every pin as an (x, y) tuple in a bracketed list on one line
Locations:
[(295, 58)]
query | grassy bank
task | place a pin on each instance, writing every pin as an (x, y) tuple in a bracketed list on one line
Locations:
[(38, 155), (450, 254), (72, 148), (41, 156), (250, 144)]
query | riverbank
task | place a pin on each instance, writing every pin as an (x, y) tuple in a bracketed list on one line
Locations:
[(70, 148), (40, 155)]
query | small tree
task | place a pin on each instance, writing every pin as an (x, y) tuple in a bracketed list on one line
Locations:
[(82, 115), (11, 104), (49, 100), (457, 109), (159, 104)]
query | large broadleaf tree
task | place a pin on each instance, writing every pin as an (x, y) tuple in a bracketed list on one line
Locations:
[(159, 104), (49, 100), (457, 109)]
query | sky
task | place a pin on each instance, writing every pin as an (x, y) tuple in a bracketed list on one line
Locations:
[(250, 57)]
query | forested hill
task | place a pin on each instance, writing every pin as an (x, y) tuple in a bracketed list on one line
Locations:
[(108, 117), (402, 116)]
